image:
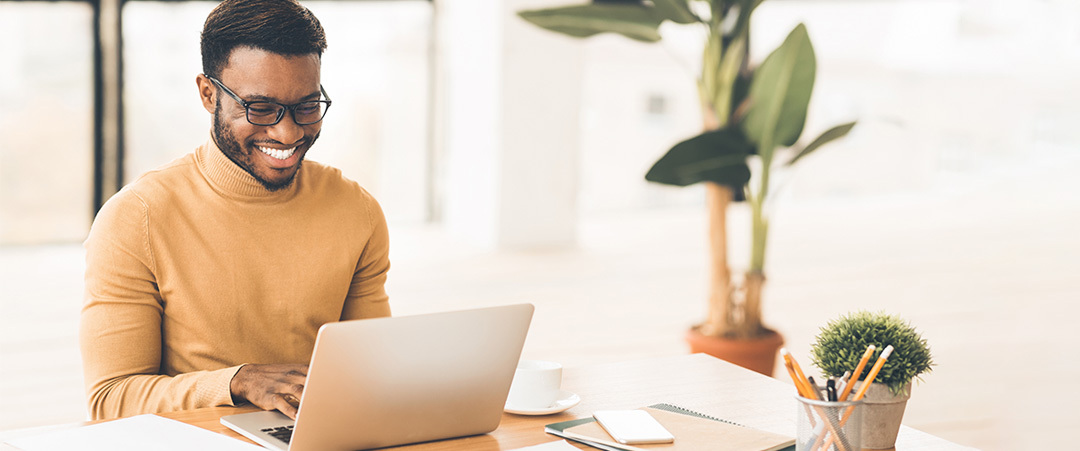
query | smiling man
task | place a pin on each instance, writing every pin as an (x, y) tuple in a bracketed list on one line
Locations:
[(207, 279)]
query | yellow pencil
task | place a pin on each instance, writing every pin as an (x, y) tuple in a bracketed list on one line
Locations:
[(791, 372), (802, 378), (789, 364), (798, 386), (865, 386), (873, 373), (806, 390), (858, 372)]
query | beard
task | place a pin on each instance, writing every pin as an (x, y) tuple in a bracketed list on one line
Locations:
[(242, 154)]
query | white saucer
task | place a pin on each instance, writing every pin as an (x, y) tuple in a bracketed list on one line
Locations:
[(566, 400)]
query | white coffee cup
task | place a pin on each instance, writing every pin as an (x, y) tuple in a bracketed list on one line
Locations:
[(536, 384)]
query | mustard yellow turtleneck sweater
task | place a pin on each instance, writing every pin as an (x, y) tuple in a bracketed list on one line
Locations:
[(196, 269)]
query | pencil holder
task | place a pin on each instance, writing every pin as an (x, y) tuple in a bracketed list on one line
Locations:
[(828, 426)]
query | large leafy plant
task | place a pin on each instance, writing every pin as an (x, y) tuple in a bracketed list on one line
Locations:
[(749, 113)]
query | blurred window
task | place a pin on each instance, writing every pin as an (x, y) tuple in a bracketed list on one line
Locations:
[(46, 121)]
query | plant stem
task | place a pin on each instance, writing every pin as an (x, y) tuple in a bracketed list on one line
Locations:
[(715, 93), (720, 319), (759, 234), (750, 325)]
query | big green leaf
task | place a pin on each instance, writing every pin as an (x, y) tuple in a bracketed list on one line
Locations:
[(780, 93), (831, 134), (636, 22), (716, 156)]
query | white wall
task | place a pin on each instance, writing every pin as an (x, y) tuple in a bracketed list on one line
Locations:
[(508, 134)]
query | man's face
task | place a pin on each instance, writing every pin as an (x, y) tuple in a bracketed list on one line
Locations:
[(270, 153)]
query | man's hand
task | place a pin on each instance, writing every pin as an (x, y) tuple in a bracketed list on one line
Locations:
[(270, 386)]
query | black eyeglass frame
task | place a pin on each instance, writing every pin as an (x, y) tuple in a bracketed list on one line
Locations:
[(281, 112)]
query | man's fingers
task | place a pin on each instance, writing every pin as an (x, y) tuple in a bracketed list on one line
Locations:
[(281, 403), (296, 390), (271, 386), (293, 387)]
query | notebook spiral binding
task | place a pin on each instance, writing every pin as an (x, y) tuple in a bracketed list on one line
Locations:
[(677, 409)]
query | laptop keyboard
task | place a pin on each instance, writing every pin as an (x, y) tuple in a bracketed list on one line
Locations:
[(283, 433)]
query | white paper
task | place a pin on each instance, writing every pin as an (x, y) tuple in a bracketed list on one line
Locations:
[(140, 433), (561, 445)]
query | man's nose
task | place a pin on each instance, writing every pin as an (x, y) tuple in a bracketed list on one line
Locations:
[(286, 131)]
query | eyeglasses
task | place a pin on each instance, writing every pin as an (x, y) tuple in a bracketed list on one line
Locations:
[(270, 113)]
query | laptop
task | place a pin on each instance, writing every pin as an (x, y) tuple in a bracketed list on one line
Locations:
[(381, 382)]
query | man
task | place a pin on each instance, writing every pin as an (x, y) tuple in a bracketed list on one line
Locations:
[(208, 279)]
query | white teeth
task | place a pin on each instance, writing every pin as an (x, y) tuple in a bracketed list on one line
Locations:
[(276, 153)]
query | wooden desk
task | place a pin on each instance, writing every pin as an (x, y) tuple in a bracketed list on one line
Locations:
[(696, 382)]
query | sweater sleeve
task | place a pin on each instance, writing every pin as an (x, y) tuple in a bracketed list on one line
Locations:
[(120, 328), (367, 296)]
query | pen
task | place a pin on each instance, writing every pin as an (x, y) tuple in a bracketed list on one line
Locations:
[(830, 390), (843, 382), (815, 386)]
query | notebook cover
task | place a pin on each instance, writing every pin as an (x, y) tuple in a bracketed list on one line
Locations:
[(694, 431), (677, 409)]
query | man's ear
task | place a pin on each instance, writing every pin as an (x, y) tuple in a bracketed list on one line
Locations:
[(207, 91)]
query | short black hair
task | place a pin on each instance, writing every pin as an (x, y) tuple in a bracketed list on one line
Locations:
[(278, 26)]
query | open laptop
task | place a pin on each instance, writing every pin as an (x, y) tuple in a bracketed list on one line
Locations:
[(382, 382)]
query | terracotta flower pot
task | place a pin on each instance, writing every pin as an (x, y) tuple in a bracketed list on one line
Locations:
[(757, 354), (882, 413)]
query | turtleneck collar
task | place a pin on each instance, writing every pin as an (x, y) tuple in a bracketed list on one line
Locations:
[(232, 180)]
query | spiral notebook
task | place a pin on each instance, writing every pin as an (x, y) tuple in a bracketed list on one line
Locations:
[(692, 430)]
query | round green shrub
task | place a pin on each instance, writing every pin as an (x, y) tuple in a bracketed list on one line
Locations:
[(841, 343)]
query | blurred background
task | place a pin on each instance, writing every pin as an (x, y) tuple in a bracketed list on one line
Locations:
[(510, 162)]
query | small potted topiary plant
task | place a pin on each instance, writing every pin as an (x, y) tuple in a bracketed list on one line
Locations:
[(841, 344)]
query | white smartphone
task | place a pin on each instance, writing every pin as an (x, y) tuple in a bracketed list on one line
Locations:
[(633, 427)]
